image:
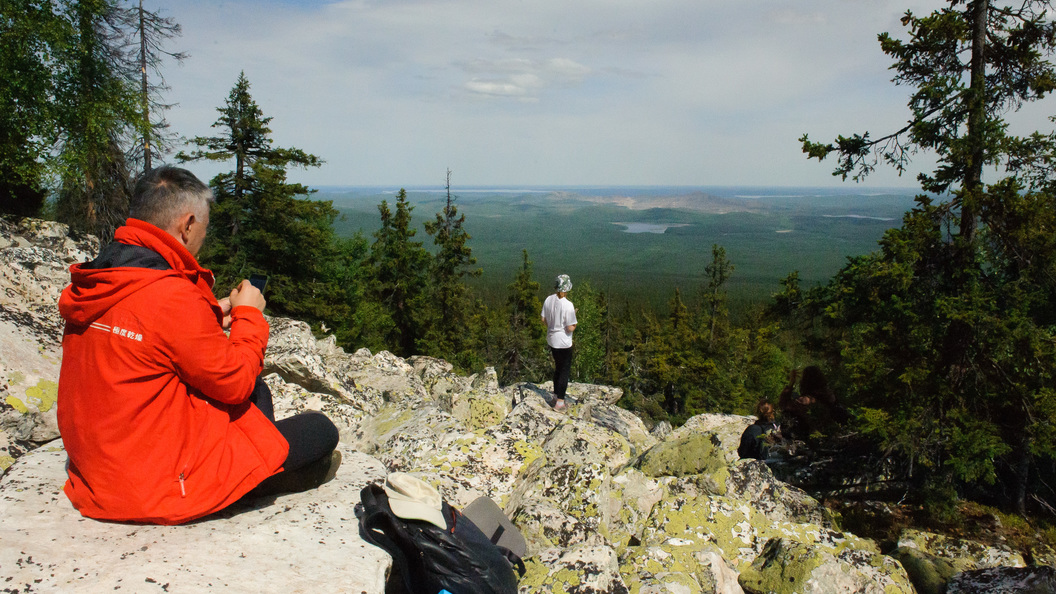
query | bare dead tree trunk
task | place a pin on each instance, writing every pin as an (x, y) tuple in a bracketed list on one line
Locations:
[(145, 88)]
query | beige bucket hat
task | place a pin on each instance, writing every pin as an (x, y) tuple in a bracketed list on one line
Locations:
[(414, 499)]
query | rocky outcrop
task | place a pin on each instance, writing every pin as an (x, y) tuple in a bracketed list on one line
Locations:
[(34, 260), (1004, 580), (605, 504)]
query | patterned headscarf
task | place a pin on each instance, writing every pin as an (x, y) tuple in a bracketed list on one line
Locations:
[(562, 284)]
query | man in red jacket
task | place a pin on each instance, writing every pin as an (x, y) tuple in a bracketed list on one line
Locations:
[(163, 415)]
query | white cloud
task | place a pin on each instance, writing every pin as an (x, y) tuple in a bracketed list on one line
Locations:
[(548, 91), (522, 78)]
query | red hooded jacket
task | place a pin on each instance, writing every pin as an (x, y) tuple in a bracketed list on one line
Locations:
[(153, 396)]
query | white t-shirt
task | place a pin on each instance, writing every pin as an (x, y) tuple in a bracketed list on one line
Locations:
[(558, 313)]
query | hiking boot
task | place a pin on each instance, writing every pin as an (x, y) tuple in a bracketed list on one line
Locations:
[(559, 405)]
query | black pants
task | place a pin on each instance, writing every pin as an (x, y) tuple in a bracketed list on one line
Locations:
[(562, 369), (312, 437)]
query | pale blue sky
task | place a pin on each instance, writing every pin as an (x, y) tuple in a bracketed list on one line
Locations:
[(550, 92)]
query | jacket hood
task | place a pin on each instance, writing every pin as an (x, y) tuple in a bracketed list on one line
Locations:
[(93, 290)]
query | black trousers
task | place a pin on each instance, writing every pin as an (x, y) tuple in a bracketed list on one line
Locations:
[(562, 369), (312, 437)]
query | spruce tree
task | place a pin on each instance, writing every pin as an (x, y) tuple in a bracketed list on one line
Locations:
[(96, 114), (447, 328), (71, 108), (523, 346), (261, 223), (399, 265), (31, 36), (943, 337)]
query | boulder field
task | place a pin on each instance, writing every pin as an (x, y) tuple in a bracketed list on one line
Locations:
[(606, 504)]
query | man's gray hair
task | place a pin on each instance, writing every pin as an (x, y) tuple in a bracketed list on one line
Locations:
[(164, 193)]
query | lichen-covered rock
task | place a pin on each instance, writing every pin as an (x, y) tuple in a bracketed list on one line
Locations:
[(622, 421), (624, 508), (692, 509), (290, 399), (928, 573), (545, 526), (1005, 580), (692, 453), (1043, 554), (577, 442), (35, 257), (569, 504), (576, 490), (481, 404), (678, 565), (962, 554), (835, 565), (751, 480), (585, 392), (725, 429), (404, 437), (298, 542), (320, 366), (582, 570), (468, 463)]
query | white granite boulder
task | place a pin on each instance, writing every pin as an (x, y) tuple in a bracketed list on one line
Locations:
[(301, 542)]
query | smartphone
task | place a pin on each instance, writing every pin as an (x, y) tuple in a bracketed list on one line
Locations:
[(259, 281)]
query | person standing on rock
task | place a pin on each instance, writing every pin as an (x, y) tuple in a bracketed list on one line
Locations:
[(559, 316), (164, 416)]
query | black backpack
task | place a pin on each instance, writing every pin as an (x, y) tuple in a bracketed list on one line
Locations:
[(427, 559)]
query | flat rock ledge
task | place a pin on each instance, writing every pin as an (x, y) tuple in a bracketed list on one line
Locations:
[(309, 539)]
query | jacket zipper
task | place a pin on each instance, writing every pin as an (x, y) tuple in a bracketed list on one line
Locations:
[(183, 491)]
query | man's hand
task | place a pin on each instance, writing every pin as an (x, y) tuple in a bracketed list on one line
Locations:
[(225, 307), (246, 294)]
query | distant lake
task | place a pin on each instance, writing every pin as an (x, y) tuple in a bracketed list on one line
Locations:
[(649, 227)]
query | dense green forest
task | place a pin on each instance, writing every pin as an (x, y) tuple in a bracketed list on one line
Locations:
[(941, 341), (584, 232)]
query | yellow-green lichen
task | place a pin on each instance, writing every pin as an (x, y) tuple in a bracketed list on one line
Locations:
[(6, 462), (529, 452), (689, 455), (390, 418), (43, 395), (534, 575), (483, 413), (17, 404), (782, 568)]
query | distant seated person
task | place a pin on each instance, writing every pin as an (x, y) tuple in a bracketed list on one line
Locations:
[(760, 435), (163, 415), (813, 408)]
